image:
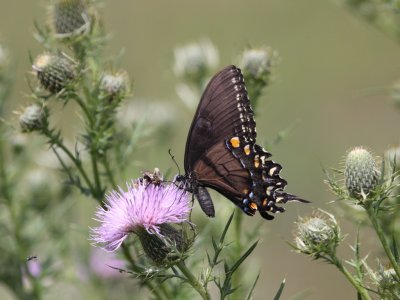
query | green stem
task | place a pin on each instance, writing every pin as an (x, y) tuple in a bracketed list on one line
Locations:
[(109, 174), (98, 189), (56, 141), (84, 109), (382, 238), (357, 285), (192, 280), (149, 284)]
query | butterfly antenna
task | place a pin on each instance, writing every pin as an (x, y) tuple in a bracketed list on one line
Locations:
[(173, 158)]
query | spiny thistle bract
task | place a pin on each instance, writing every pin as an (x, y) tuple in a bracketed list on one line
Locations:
[(33, 118), (361, 173), (54, 71), (70, 17), (317, 235)]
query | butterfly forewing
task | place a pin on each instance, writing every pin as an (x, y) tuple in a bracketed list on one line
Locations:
[(221, 150)]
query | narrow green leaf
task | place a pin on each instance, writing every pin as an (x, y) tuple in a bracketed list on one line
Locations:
[(395, 249), (221, 240), (243, 257), (250, 295), (280, 290)]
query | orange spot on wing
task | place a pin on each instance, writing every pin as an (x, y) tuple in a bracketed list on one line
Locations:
[(235, 142)]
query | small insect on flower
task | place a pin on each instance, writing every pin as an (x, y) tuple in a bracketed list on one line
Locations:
[(145, 209)]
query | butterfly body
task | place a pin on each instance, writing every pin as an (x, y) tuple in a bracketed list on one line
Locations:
[(222, 154)]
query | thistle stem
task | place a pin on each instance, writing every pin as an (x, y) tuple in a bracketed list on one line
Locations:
[(382, 238), (192, 280), (56, 141), (149, 284), (357, 285)]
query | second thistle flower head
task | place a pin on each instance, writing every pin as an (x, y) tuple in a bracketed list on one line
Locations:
[(144, 209), (317, 235), (54, 71), (361, 173), (114, 85)]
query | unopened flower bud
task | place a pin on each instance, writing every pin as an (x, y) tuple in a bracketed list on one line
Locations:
[(114, 84), (54, 71), (317, 235), (70, 17), (194, 61), (388, 284), (256, 64), (33, 118), (361, 173)]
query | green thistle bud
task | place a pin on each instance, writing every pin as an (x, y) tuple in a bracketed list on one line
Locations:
[(317, 235), (70, 17), (256, 64), (165, 248), (194, 61), (54, 71), (361, 173), (114, 85), (33, 118)]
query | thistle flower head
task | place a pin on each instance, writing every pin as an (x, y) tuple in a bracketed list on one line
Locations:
[(70, 17), (194, 61), (317, 235), (361, 173), (256, 63), (114, 84), (33, 118), (142, 208), (54, 71)]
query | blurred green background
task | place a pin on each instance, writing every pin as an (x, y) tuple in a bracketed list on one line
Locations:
[(333, 79)]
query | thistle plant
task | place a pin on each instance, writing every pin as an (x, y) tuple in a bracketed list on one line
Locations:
[(376, 192)]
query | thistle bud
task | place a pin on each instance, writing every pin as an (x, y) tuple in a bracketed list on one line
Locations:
[(163, 248), (256, 64), (33, 118), (317, 235), (114, 85), (193, 62), (361, 173), (54, 71), (70, 17)]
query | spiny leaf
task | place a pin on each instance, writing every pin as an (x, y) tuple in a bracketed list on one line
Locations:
[(395, 249), (250, 295), (280, 290), (221, 240), (243, 257)]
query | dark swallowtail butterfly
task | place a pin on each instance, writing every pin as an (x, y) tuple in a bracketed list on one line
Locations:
[(222, 154)]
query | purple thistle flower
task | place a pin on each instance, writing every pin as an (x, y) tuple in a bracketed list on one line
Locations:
[(143, 206)]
